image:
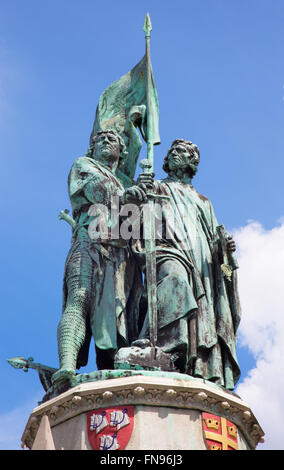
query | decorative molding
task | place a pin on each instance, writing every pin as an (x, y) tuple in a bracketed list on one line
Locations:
[(139, 390)]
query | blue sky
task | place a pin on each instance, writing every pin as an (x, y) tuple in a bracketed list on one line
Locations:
[(219, 72)]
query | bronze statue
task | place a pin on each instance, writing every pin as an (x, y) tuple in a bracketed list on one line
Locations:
[(186, 316), (101, 280), (197, 301)]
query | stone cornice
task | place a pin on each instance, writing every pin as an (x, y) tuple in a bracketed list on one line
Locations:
[(151, 391)]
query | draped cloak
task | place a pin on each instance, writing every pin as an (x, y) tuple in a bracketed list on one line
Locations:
[(107, 266), (209, 313)]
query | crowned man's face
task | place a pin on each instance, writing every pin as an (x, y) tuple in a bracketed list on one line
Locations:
[(107, 148)]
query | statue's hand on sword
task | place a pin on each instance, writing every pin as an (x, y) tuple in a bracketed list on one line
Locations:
[(134, 195), (141, 192), (138, 194), (146, 181)]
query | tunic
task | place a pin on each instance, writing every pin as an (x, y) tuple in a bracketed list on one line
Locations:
[(101, 271), (198, 310)]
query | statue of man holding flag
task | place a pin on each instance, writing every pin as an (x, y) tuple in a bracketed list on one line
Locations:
[(101, 287), (102, 281)]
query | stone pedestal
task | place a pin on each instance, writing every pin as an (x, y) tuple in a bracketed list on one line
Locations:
[(168, 414)]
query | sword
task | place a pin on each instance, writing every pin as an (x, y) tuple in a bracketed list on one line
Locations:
[(64, 215), (45, 372)]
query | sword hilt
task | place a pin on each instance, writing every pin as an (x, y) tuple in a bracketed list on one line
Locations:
[(147, 168), (64, 215)]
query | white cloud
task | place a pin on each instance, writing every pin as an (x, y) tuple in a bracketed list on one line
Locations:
[(261, 287)]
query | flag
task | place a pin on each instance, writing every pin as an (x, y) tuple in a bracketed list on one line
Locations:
[(126, 98)]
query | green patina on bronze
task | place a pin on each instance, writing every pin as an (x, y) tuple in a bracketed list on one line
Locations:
[(162, 303), (101, 283), (198, 305)]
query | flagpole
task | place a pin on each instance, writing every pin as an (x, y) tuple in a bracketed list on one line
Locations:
[(149, 209)]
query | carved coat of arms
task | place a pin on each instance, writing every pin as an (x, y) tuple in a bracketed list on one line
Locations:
[(219, 433), (110, 428)]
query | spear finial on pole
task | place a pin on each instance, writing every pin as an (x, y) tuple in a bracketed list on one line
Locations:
[(147, 25), (147, 29)]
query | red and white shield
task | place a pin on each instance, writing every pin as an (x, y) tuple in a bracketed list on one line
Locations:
[(110, 428), (220, 434)]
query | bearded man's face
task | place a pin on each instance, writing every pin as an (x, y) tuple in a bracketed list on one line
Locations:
[(181, 158)]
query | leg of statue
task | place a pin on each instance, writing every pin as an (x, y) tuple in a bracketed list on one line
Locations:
[(71, 330)]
